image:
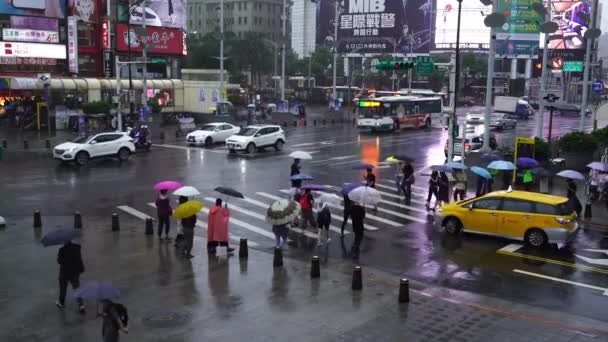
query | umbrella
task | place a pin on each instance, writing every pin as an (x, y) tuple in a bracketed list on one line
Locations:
[(187, 209), (456, 165), (300, 155), (392, 159), (571, 174), (97, 290), (480, 171), (526, 163), (301, 176), (348, 187), (403, 158), (60, 236), (541, 172), (598, 166), (329, 198), (441, 168), (282, 211), (186, 191), (363, 166), (365, 195), (489, 157), (313, 187), (229, 192), (167, 185), (501, 165)]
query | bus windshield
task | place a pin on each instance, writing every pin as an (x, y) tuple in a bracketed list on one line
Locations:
[(372, 112)]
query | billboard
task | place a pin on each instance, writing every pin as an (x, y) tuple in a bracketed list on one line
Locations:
[(571, 27), (73, 45), (34, 50), (159, 13), (519, 36), (473, 33), (34, 23), (34, 8), (165, 41), (26, 35), (84, 10), (377, 26)]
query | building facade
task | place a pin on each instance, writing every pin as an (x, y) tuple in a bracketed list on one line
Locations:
[(303, 27)]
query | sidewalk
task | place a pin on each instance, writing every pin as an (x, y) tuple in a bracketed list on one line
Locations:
[(226, 298)]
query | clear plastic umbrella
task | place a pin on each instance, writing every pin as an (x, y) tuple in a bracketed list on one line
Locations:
[(365, 195)]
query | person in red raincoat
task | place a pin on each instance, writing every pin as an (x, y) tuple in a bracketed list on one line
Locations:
[(217, 228)]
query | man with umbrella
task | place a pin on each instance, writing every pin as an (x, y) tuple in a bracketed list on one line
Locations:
[(71, 266), (295, 169), (408, 180)]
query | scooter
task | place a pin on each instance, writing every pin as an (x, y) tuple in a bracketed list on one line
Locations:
[(141, 138)]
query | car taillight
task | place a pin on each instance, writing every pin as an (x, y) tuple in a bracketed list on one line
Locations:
[(561, 220), (467, 147)]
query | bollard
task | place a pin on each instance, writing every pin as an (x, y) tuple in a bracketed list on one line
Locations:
[(324, 122), (149, 226), (357, 278), (77, 220), (315, 268), (48, 143), (4, 144), (37, 219), (177, 133), (295, 124), (115, 222), (243, 249), (277, 261), (314, 122), (25, 144), (162, 135), (404, 291)]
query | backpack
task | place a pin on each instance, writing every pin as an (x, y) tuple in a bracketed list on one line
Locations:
[(123, 315)]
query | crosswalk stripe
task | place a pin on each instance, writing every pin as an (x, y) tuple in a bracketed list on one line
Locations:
[(395, 204), (245, 225), (264, 205), (258, 216), (393, 186), (387, 201), (393, 195), (234, 238), (333, 216), (133, 212)]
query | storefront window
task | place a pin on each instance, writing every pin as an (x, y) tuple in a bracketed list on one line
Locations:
[(87, 36), (87, 65)]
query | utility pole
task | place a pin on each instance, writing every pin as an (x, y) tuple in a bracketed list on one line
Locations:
[(221, 97), (452, 121), (336, 18), (490, 86), (540, 120), (144, 95), (581, 126), (284, 18), (118, 108)]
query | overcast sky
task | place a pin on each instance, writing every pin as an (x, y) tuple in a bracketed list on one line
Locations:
[(605, 18)]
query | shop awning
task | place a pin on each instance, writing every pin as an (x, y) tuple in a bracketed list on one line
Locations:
[(23, 83)]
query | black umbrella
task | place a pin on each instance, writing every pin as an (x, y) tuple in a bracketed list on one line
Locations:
[(229, 192), (541, 172)]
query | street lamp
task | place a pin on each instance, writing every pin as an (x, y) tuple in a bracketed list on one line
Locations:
[(452, 120)]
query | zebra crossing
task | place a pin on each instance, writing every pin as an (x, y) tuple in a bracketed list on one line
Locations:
[(247, 216)]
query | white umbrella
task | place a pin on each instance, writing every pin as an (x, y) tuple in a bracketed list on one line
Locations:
[(186, 191), (365, 195), (2, 222), (300, 155), (329, 199), (571, 174), (282, 211)]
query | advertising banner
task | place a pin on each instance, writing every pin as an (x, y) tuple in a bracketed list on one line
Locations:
[(35, 50), (569, 36), (84, 10), (27, 61), (73, 45), (105, 34), (34, 36), (159, 13), (377, 26), (519, 36), (108, 64), (473, 33), (34, 8), (34, 23), (165, 41)]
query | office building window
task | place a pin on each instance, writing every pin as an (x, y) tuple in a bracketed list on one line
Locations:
[(245, 5), (239, 21), (239, 5), (244, 20)]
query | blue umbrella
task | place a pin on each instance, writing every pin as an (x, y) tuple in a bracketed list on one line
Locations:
[(97, 290), (526, 163), (501, 165), (456, 165), (541, 172), (313, 187), (440, 168), (571, 174), (480, 171), (489, 157), (363, 166), (301, 176), (598, 166), (60, 237), (348, 187)]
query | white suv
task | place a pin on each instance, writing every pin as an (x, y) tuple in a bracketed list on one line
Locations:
[(251, 138), (82, 149)]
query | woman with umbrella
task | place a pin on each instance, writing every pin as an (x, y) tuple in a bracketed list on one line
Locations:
[(280, 214), (572, 198), (295, 169), (217, 228), (306, 202), (187, 213), (443, 193), (163, 212), (433, 189)]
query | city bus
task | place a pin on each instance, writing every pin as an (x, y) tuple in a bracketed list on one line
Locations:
[(389, 113)]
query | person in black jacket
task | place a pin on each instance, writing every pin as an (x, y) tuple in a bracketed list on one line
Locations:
[(71, 266), (188, 225), (408, 180), (357, 214), (347, 205), (295, 169), (323, 221)]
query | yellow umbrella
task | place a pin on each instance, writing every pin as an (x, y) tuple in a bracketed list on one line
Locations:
[(392, 159), (187, 209)]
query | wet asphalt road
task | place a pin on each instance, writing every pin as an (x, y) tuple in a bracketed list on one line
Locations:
[(400, 238)]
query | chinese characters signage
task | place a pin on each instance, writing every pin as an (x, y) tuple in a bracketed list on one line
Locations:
[(520, 34), (164, 41), (34, 36), (27, 61), (73, 45), (35, 50), (105, 34)]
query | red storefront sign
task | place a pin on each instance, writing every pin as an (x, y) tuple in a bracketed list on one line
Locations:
[(105, 34), (165, 41)]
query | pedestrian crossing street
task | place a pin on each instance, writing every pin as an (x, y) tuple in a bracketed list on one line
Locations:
[(247, 216)]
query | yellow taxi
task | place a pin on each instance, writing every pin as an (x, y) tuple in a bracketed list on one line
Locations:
[(533, 217)]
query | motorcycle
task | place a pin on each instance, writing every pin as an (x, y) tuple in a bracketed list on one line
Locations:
[(142, 138)]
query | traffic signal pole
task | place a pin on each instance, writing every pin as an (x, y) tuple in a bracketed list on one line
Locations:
[(452, 121), (540, 118), (581, 126), (489, 87)]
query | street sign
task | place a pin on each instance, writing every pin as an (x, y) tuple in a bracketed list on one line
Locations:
[(455, 130), (374, 62), (45, 79), (425, 65), (557, 63), (597, 86), (573, 66)]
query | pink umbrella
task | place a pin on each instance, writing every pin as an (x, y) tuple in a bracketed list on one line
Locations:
[(167, 185)]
